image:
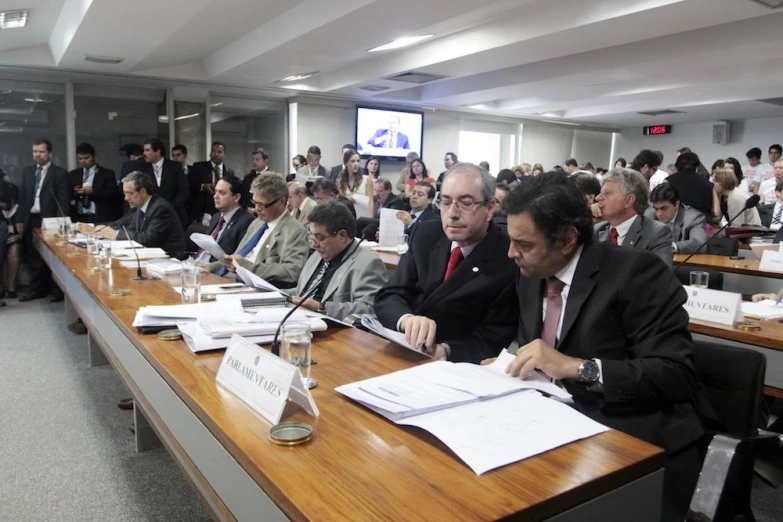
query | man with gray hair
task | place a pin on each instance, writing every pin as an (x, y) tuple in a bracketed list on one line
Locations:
[(623, 201), (453, 292), (275, 245), (405, 175), (152, 221)]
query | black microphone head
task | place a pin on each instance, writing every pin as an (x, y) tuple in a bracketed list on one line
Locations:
[(752, 201)]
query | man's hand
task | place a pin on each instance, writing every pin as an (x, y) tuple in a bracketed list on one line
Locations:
[(595, 208), (209, 189), (20, 228), (438, 353), (377, 235), (85, 228), (540, 356), (310, 304), (772, 297), (109, 233), (420, 332), (405, 217), (85, 190)]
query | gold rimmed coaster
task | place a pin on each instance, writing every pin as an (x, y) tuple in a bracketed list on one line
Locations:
[(747, 325), (120, 292), (93, 270), (290, 433), (172, 334)]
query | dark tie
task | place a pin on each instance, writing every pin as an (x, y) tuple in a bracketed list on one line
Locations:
[(249, 246), (454, 260), (613, 235), (318, 278), (86, 175), (38, 172), (216, 175), (141, 220), (298, 213), (778, 214), (215, 233), (554, 307)]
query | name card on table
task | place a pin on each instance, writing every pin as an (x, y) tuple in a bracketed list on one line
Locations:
[(262, 381), (54, 223), (771, 261), (780, 246), (713, 305)]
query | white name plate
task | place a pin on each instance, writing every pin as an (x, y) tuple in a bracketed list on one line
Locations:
[(771, 261), (54, 223), (262, 381), (713, 305), (780, 246)]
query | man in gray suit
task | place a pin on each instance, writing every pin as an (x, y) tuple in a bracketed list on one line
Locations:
[(623, 200), (275, 245), (344, 276), (300, 205), (688, 225)]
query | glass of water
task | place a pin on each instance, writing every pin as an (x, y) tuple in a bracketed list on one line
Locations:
[(92, 244), (104, 255), (295, 348), (191, 287), (402, 243), (700, 279)]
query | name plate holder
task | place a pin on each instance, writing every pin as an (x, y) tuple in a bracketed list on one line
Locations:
[(713, 306), (772, 261), (263, 381), (53, 223)]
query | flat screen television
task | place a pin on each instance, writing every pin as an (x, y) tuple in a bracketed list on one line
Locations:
[(389, 134)]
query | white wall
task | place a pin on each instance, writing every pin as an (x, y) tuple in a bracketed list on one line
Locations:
[(592, 146), (547, 144), (745, 135)]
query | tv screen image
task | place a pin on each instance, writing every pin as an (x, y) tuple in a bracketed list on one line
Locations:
[(388, 133)]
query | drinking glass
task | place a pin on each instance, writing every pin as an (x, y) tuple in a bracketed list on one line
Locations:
[(402, 243), (104, 255), (295, 348), (92, 244), (191, 287), (700, 279)]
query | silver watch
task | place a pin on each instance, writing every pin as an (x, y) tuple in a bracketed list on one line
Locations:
[(588, 371)]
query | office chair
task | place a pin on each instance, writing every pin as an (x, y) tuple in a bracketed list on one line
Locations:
[(683, 273), (732, 380)]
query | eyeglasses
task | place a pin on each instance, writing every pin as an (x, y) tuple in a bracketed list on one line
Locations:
[(465, 205), (267, 205), (318, 238)]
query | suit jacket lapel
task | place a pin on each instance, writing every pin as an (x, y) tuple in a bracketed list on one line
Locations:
[(531, 300), (634, 233), (581, 287), (48, 179), (678, 221), (334, 282)]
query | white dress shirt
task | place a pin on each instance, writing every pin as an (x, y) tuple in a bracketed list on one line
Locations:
[(157, 169), (272, 225), (773, 225), (89, 181), (37, 202), (206, 256), (623, 228)]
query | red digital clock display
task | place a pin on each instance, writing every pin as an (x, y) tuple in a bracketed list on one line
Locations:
[(657, 129)]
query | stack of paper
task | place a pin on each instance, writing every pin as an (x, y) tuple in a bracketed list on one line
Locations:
[(169, 315), (143, 253), (255, 300), (121, 244), (164, 267), (198, 341), (488, 418), (253, 281), (763, 310), (229, 288), (375, 326)]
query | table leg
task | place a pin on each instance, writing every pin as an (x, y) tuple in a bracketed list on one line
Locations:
[(146, 439), (94, 353)]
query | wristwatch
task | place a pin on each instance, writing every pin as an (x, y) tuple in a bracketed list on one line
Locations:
[(588, 371)]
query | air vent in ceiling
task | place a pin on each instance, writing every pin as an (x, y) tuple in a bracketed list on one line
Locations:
[(773, 101), (102, 59), (660, 113), (374, 88), (414, 77), (772, 4)]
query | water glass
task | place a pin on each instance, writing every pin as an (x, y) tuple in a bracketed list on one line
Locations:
[(104, 255), (700, 279), (402, 243), (191, 287), (295, 348), (92, 244)]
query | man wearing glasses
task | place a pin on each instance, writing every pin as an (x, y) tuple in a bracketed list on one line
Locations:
[(453, 292), (275, 245), (343, 276)]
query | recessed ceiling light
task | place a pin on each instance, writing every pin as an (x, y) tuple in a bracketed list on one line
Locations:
[(297, 77), (401, 42), (13, 19), (186, 117), (110, 60), (480, 106)]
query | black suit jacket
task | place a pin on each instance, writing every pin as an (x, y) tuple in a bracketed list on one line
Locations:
[(646, 351), (159, 229), (335, 172), (233, 231), (173, 185), (200, 202), (393, 201), (766, 213), (429, 214), (476, 308), (105, 193), (55, 189)]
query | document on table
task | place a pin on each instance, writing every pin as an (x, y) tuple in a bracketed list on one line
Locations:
[(390, 227), (253, 281), (198, 341), (362, 205), (208, 243), (229, 288), (491, 434), (763, 310), (375, 326), (121, 244), (143, 253)]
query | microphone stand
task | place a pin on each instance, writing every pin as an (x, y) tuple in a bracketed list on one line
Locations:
[(64, 223), (139, 276)]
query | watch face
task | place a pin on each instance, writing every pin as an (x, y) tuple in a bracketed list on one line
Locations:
[(588, 371)]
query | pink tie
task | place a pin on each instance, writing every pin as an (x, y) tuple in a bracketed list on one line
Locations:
[(554, 307)]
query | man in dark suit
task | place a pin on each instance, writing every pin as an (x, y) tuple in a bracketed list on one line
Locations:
[(326, 189), (609, 324), (151, 221), (45, 192), (335, 172), (453, 292), (260, 158), (384, 198), (390, 137), (500, 219), (96, 197), (202, 180), (448, 161), (179, 153), (772, 214), (688, 226), (421, 208), (230, 223), (623, 200), (167, 175)]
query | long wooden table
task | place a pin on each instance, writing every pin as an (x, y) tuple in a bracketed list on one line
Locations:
[(739, 275), (359, 466)]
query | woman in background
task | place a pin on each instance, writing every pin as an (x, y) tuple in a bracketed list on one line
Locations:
[(727, 188), (537, 169), (373, 168), (418, 173), (620, 163), (298, 162)]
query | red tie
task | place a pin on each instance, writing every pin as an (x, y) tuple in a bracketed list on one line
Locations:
[(554, 307), (613, 235), (215, 233), (454, 260)]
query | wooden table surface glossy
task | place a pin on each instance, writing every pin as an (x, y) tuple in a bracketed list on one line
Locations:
[(769, 336), (359, 465), (745, 266), (389, 259)]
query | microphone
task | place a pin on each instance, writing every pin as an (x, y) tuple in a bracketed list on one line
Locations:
[(59, 207), (139, 276), (751, 202)]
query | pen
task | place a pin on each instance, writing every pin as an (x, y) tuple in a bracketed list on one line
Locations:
[(778, 301)]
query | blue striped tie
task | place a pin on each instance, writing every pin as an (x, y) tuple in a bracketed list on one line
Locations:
[(249, 246)]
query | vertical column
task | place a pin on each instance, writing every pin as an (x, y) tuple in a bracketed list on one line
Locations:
[(146, 439), (70, 125), (170, 114), (208, 121)]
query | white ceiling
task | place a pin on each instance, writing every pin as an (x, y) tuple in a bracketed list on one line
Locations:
[(585, 61)]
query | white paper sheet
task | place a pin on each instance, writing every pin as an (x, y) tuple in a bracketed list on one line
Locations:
[(121, 244), (490, 434), (362, 205), (763, 310), (390, 227), (194, 311), (216, 327), (229, 288), (143, 253), (208, 243), (198, 341), (253, 281), (374, 325)]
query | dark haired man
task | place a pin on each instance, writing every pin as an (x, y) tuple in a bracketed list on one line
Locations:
[(347, 276), (260, 159), (170, 181), (448, 161), (313, 169), (384, 198), (96, 198), (688, 225), (230, 222), (590, 320), (325, 189), (774, 152), (694, 190), (203, 177), (571, 166), (755, 171), (179, 153), (646, 163), (44, 192), (421, 208)]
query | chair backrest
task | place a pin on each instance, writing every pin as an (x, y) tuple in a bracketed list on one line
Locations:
[(723, 246), (715, 282), (732, 380)]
